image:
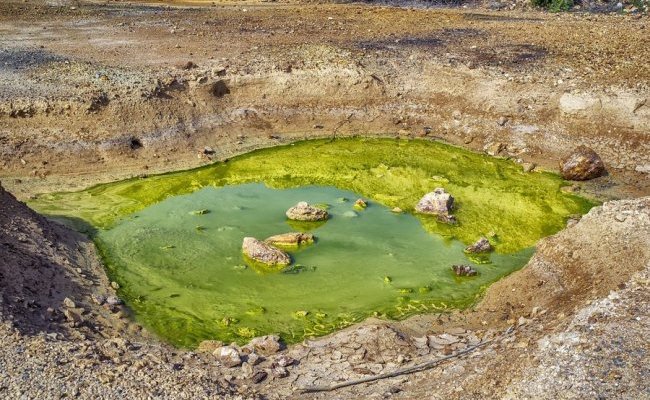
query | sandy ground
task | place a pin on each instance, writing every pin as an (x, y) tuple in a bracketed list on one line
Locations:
[(98, 91)]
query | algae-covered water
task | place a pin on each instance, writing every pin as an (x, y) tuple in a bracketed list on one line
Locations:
[(173, 242)]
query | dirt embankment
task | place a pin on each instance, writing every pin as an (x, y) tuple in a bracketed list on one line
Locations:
[(107, 91)]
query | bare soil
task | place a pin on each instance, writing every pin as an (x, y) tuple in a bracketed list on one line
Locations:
[(98, 91)]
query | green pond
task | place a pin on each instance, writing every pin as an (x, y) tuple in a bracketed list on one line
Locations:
[(173, 241)]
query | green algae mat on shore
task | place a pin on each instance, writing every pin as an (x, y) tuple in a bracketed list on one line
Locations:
[(173, 241)]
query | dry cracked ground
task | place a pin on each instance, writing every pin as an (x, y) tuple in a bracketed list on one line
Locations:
[(94, 91)]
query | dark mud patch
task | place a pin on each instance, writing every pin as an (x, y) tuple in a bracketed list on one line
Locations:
[(24, 58), (441, 38)]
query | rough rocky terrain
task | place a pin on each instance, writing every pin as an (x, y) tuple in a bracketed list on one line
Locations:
[(97, 91)]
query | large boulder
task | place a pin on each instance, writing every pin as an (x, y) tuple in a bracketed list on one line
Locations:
[(264, 253), (582, 164), (291, 239), (439, 203), (303, 211)]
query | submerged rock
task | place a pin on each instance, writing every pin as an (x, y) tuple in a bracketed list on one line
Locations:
[(439, 203), (228, 356), (481, 246), (290, 239), (582, 164), (305, 212), (463, 270), (264, 253), (360, 204)]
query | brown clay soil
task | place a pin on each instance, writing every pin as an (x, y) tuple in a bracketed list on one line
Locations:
[(97, 91)]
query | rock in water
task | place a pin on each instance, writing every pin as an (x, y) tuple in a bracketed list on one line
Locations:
[(439, 203), (481, 246), (290, 239), (305, 212), (228, 356), (463, 270), (582, 164), (264, 253)]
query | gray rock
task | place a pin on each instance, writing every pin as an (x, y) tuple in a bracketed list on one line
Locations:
[(279, 372), (113, 301), (463, 270), (228, 356), (284, 361), (481, 246), (69, 303), (254, 359), (73, 317), (528, 167), (259, 376), (303, 211), (582, 164), (266, 345), (264, 253), (439, 203)]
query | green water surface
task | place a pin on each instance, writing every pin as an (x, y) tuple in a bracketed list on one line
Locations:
[(183, 274)]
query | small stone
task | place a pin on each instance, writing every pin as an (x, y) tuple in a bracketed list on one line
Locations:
[(69, 303), (73, 317), (228, 356), (280, 372), (463, 270), (209, 346), (115, 285), (397, 210), (266, 345), (494, 149), (502, 121), (113, 301), (98, 299), (208, 151), (247, 369), (284, 361), (528, 167), (254, 359), (360, 204), (481, 246), (258, 376)]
